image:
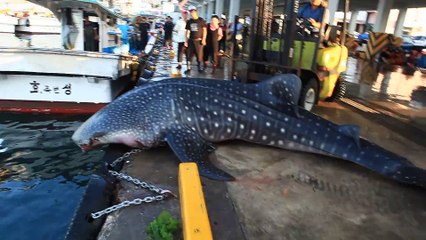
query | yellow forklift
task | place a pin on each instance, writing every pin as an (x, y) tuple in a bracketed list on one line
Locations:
[(270, 39)]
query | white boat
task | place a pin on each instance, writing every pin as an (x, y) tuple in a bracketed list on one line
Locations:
[(67, 80), (7, 23), (38, 25)]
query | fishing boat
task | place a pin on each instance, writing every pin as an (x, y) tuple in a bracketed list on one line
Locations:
[(7, 23), (38, 25), (80, 78)]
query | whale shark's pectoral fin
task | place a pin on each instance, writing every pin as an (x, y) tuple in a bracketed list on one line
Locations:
[(351, 131), (189, 146)]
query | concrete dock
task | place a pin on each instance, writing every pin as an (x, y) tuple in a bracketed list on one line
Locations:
[(281, 194)]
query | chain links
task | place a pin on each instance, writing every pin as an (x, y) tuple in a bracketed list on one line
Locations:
[(163, 194), (126, 155)]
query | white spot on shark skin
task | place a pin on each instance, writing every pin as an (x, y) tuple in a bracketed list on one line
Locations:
[(216, 125), (243, 111), (286, 119), (280, 142), (215, 100), (186, 108), (254, 117), (189, 119), (295, 137), (197, 106), (253, 131), (270, 93), (241, 126), (206, 131), (251, 137), (202, 119), (228, 130), (269, 112), (214, 112), (282, 130), (345, 155), (268, 124), (272, 143), (229, 119), (264, 137), (315, 132), (196, 93), (298, 125), (230, 105)]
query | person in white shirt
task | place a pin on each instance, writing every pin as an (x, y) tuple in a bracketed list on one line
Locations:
[(180, 30)]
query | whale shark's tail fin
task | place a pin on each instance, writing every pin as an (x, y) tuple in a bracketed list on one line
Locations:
[(411, 175)]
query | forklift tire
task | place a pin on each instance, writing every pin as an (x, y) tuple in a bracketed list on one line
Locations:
[(338, 92), (309, 94)]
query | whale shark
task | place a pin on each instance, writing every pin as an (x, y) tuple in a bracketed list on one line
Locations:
[(191, 114)]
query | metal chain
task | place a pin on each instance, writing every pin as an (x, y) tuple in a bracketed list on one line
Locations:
[(163, 194), (126, 155)]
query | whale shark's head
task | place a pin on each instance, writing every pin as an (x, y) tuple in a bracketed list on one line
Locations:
[(115, 123), (91, 133)]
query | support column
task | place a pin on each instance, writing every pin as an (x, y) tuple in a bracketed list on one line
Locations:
[(352, 21), (400, 22), (383, 10), (219, 7), (210, 8), (234, 9), (332, 8)]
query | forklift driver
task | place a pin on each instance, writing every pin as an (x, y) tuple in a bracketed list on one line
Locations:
[(313, 12)]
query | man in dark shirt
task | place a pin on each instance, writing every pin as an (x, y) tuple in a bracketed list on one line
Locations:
[(144, 27), (168, 31), (196, 32)]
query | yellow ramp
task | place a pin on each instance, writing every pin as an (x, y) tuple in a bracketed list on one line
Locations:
[(195, 220)]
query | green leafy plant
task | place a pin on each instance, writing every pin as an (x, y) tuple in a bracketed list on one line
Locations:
[(164, 227)]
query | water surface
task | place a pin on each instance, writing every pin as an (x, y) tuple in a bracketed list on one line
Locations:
[(43, 175)]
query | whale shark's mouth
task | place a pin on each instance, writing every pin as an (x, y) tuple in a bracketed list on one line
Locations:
[(85, 147)]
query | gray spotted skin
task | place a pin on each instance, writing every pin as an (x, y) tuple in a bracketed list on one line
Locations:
[(190, 114)]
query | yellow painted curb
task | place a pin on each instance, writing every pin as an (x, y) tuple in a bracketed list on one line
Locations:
[(195, 219)]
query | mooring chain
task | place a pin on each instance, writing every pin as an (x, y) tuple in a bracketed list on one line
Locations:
[(163, 194)]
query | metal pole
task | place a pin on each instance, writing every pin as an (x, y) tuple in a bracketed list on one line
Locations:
[(343, 34)]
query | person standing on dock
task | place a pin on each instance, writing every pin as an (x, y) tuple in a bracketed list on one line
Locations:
[(168, 33), (196, 32), (180, 30), (211, 49), (144, 28)]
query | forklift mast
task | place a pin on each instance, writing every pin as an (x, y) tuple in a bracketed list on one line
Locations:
[(274, 39)]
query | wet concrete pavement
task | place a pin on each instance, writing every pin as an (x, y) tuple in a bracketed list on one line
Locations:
[(283, 194)]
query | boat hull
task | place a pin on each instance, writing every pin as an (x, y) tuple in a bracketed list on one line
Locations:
[(49, 107), (42, 80)]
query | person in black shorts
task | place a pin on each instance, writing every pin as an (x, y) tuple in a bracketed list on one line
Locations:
[(196, 32), (211, 50), (144, 27), (168, 32)]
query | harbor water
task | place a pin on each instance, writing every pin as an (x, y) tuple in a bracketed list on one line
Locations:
[(43, 175)]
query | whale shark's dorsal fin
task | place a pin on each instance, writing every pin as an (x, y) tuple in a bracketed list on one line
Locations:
[(285, 90), (285, 87), (352, 131)]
